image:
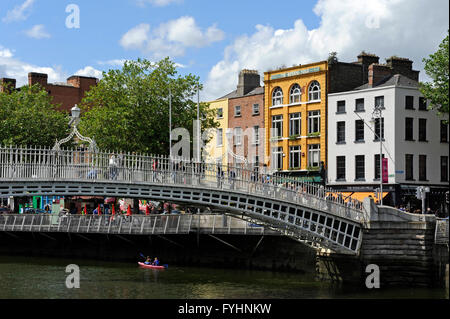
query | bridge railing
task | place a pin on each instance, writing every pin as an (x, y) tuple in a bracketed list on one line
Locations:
[(135, 224), (39, 163)]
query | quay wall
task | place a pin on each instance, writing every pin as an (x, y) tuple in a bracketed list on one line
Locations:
[(222, 251)]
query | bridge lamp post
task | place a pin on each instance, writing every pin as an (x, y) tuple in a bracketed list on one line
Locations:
[(377, 114)]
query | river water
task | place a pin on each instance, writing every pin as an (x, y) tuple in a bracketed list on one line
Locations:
[(45, 278)]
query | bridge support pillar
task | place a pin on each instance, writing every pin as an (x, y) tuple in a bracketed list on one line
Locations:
[(401, 245)]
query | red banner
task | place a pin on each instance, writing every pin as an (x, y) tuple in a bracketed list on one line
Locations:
[(385, 170)]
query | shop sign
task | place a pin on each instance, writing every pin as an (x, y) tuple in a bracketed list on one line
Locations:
[(299, 72)]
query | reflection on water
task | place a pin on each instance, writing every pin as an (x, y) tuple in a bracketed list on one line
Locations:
[(32, 277)]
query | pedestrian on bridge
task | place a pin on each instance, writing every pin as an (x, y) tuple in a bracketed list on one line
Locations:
[(113, 167)]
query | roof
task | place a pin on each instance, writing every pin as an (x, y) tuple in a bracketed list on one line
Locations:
[(234, 94), (391, 80)]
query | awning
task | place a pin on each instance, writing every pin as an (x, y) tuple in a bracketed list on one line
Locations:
[(360, 195)]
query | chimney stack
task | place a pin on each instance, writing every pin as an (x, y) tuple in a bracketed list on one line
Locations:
[(7, 85), (377, 73), (402, 66), (248, 80), (40, 78)]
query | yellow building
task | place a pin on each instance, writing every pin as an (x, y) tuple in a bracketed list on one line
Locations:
[(216, 149), (295, 117)]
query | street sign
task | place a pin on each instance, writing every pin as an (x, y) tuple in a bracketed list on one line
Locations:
[(385, 170)]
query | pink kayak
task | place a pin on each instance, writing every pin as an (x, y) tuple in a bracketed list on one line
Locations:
[(150, 266)]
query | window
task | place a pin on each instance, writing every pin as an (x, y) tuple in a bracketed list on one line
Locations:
[(409, 164), (409, 129), (444, 168), (314, 91), (359, 131), (379, 127), (340, 107), (340, 132), (377, 166), (359, 168), (277, 96), (340, 168), (313, 122), (423, 130), (444, 132), (379, 102), (422, 104), (256, 134), (422, 167), (255, 109), (220, 113), (237, 111), (295, 94), (314, 155), (277, 126), (409, 102), (294, 156), (359, 105), (294, 124), (219, 136), (238, 136), (277, 157)]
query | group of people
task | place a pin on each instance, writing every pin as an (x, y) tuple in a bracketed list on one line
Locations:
[(148, 261)]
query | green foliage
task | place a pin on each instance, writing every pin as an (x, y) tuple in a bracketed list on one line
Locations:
[(129, 108), (436, 67), (27, 117)]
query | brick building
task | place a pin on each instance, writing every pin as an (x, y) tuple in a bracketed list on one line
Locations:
[(66, 94), (246, 120)]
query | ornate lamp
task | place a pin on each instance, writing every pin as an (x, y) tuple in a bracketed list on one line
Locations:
[(75, 111)]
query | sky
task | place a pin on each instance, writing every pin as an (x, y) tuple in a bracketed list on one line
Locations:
[(211, 39)]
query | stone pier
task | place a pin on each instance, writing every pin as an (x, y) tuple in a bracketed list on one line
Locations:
[(402, 245)]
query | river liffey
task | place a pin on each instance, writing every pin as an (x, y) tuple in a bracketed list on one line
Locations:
[(45, 278)]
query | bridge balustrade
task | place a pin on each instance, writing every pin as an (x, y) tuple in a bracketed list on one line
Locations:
[(31, 163), (135, 224)]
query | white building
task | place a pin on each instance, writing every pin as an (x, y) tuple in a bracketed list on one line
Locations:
[(414, 139)]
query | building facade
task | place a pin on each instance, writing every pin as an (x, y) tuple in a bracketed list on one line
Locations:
[(66, 95), (215, 150), (414, 140), (295, 117), (245, 132)]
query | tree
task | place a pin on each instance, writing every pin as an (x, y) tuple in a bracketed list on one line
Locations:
[(28, 117), (436, 67), (129, 108)]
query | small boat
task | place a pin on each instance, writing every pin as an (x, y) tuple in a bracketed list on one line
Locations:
[(151, 266)]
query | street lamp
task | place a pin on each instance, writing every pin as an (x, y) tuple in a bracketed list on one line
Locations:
[(377, 114), (75, 119)]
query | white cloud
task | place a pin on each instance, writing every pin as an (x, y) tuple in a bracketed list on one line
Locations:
[(11, 67), (171, 38), (157, 3), (19, 13), (411, 29), (136, 38), (90, 71), (37, 32)]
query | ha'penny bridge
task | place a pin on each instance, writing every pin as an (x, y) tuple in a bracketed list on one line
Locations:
[(311, 214)]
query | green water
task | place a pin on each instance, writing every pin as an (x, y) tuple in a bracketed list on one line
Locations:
[(45, 278)]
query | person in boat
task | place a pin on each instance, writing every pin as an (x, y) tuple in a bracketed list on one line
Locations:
[(155, 262), (148, 261)]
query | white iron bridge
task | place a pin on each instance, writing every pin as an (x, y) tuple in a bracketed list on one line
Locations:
[(311, 214)]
